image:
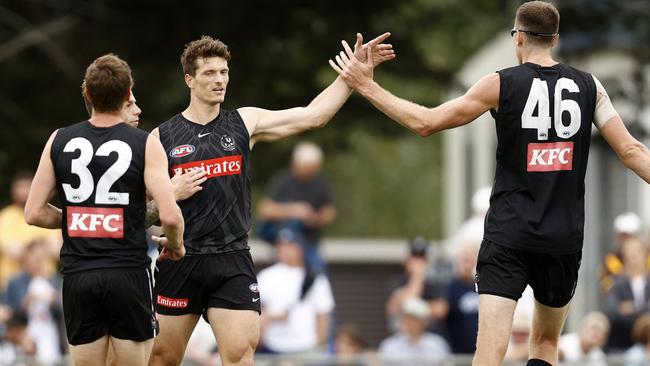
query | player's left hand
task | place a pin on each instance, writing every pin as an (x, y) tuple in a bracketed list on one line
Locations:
[(354, 72)]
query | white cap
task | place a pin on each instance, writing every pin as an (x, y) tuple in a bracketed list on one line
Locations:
[(416, 307), (481, 200), (307, 152), (627, 223)]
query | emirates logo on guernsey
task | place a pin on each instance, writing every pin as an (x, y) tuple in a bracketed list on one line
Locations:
[(95, 222), (549, 157), (228, 165)]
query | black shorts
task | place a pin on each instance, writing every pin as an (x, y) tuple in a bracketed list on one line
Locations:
[(115, 302), (505, 272), (196, 283)]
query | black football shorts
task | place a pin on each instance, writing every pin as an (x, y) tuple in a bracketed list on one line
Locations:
[(196, 283), (115, 302), (505, 272)]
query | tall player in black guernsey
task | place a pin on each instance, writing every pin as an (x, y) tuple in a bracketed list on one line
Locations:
[(534, 228), (217, 277), (102, 169)]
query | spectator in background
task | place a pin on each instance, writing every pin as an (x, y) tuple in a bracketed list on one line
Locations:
[(350, 346), (16, 344), (296, 303), (585, 346), (639, 354), (412, 345), (471, 231), (36, 292), (300, 199), (626, 225), (416, 283), (629, 296), (15, 234), (462, 303)]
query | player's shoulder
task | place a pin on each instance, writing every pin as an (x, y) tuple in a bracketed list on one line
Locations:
[(70, 129), (134, 130), (577, 71), (175, 119)]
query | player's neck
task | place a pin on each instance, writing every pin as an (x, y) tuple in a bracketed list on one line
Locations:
[(201, 113), (105, 119), (540, 57)]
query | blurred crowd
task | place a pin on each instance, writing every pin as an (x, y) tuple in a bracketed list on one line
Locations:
[(431, 308)]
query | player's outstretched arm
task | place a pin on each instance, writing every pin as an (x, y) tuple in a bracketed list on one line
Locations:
[(481, 97), (38, 210), (158, 184), (266, 125), (633, 154)]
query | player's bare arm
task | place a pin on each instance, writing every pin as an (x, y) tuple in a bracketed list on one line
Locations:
[(266, 125), (480, 98), (632, 153), (158, 184), (38, 210)]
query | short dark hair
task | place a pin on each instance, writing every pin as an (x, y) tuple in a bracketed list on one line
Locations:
[(107, 83), (203, 48), (22, 175), (538, 17)]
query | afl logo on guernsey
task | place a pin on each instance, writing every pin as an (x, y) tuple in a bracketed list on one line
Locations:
[(228, 143), (180, 151)]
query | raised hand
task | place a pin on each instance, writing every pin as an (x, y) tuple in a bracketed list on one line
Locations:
[(381, 51), (354, 72)]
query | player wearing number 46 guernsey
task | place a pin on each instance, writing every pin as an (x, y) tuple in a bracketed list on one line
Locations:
[(102, 169), (534, 228), (216, 278)]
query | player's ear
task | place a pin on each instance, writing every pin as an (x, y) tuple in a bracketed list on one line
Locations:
[(189, 80)]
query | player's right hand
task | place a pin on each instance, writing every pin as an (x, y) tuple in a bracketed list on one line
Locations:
[(167, 252), (381, 52), (185, 184)]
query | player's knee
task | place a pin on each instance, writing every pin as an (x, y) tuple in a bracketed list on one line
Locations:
[(162, 356), (238, 355)]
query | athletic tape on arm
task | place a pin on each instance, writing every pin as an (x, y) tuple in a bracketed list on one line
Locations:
[(604, 110)]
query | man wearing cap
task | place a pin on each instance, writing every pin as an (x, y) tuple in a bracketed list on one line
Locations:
[(299, 198), (296, 303), (416, 283), (629, 296), (412, 345), (626, 225)]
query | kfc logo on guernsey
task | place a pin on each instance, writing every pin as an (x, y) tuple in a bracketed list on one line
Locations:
[(169, 302), (95, 222), (228, 165), (550, 157), (180, 151)]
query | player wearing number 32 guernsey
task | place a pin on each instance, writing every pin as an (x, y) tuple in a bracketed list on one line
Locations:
[(534, 228), (102, 169)]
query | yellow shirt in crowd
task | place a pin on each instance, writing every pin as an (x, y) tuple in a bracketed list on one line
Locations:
[(15, 234)]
